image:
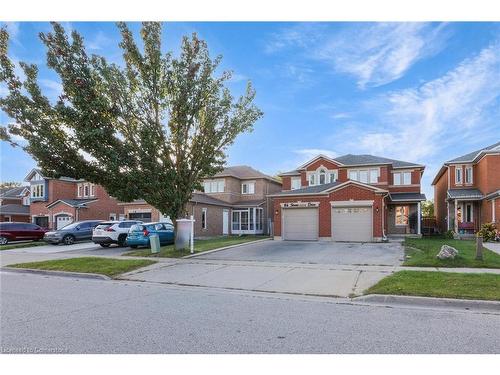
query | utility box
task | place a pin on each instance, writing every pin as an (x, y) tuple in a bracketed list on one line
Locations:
[(184, 234), (154, 242)]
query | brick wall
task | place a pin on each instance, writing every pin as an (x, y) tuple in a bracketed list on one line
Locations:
[(440, 191), (344, 194), (17, 218)]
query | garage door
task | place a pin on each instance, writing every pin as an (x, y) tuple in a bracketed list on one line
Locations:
[(352, 224), (300, 224), (142, 216), (62, 221)]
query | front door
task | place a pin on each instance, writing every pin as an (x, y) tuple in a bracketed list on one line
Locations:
[(225, 222), (42, 221)]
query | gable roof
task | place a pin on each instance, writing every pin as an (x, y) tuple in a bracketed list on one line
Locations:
[(472, 156), (243, 172), (13, 193), (14, 209), (352, 160), (326, 188), (73, 202)]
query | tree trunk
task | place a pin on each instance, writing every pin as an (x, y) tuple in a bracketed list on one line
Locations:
[(479, 248)]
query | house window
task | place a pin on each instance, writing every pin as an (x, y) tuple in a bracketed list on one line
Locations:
[(296, 183), (312, 179), (402, 178), (322, 177), (204, 218), (458, 175), (26, 201), (402, 215), (363, 176), (112, 217), (248, 188), (80, 190), (333, 176), (214, 186), (468, 175), (92, 190), (37, 191), (373, 176), (86, 190)]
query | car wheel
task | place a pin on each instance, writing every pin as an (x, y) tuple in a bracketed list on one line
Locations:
[(122, 239), (133, 246), (4, 240), (69, 240), (104, 244)]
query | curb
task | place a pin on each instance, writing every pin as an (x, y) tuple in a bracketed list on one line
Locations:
[(224, 248), (430, 302), (80, 275)]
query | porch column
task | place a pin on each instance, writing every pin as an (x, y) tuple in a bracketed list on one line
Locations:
[(493, 218), (455, 224), (419, 218)]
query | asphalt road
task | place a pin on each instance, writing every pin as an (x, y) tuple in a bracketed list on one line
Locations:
[(66, 315)]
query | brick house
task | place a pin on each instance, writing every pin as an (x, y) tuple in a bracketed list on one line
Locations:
[(349, 198), (234, 201), (15, 204), (467, 191), (58, 202)]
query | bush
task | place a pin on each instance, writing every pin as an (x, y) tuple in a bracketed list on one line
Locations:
[(487, 231), (449, 235)]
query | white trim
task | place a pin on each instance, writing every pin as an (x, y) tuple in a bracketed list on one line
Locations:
[(493, 218), (419, 218), (248, 184), (320, 156), (333, 188), (459, 168), (464, 214), (295, 178), (351, 203), (471, 174)]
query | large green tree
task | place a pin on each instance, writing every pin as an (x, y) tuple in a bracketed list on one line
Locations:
[(151, 128)]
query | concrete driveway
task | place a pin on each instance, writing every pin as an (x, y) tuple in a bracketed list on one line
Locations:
[(375, 254)]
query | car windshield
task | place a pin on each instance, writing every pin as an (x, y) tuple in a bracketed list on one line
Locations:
[(71, 226)]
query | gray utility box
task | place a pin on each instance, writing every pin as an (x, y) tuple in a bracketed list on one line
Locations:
[(154, 242)]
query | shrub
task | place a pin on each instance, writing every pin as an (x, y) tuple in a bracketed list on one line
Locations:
[(449, 235), (487, 231)]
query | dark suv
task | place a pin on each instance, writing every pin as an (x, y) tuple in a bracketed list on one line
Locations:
[(77, 231), (20, 232)]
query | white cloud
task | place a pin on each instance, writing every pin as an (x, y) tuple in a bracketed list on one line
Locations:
[(340, 115), (376, 54), (454, 109), (301, 35), (235, 77), (13, 30)]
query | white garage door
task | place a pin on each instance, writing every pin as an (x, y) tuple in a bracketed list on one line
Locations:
[(62, 221), (352, 224), (300, 224)]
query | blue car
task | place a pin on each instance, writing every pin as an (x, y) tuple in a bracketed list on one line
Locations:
[(139, 234)]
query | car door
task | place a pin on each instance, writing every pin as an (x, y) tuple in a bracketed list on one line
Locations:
[(159, 230), (32, 231), (169, 233), (85, 232)]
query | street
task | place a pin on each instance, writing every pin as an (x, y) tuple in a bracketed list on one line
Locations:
[(50, 314)]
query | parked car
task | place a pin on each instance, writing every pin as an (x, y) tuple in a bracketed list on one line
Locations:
[(139, 234), (76, 231), (10, 231), (109, 232)]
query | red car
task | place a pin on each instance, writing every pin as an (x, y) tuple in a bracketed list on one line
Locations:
[(20, 232)]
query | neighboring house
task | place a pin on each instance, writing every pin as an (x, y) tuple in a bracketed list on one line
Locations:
[(467, 191), (14, 204), (349, 198), (233, 202), (56, 202)]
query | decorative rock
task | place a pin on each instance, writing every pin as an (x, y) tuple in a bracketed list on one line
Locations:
[(447, 252)]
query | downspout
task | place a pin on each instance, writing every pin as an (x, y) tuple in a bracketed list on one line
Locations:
[(384, 237)]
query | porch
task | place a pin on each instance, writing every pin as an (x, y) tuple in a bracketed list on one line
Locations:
[(464, 211), (404, 215), (247, 220)]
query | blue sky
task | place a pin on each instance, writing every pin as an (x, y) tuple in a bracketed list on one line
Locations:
[(421, 92)]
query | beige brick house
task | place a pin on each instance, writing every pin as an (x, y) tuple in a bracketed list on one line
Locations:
[(233, 201)]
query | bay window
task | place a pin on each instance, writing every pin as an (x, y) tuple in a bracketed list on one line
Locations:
[(37, 191)]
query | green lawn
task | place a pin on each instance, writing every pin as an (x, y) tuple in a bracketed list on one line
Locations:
[(440, 284), (19, 245), (421, 252), (104, 266), (199, 246)]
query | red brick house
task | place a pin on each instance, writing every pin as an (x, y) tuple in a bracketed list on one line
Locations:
[(349, 198), (58, 202), (234, 201), (467, 191), (15, 204)]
